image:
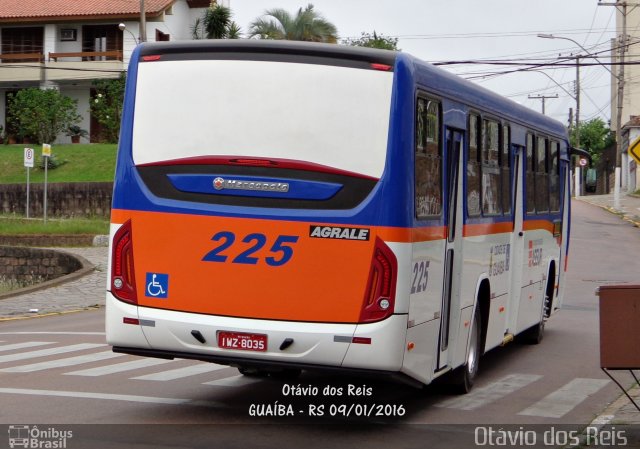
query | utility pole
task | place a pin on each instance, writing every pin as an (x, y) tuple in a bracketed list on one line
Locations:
[(621, 6), (577, 101), (143, 22), (543, 98), (578, 168)]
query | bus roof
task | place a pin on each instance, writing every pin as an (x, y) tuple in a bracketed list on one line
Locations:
[(272, 50)]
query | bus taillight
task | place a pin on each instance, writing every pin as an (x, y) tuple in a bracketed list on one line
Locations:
[(123, 282), (379, 299)]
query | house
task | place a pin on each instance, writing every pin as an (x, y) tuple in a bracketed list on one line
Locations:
[(631, 100), (66, 44)]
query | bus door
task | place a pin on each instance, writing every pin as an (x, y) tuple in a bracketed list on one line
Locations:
[(517, 236), (450, 311)]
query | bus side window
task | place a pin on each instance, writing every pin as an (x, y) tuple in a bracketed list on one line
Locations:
[(491, 202), (542, 176), (529, 176), (473, 167), (554, 177), (428, 160), (505, 169)]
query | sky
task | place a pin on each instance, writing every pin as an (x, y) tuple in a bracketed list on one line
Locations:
[(503, 30)]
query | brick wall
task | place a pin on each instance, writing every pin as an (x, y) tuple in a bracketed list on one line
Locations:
[(26, 266), (78, 199)]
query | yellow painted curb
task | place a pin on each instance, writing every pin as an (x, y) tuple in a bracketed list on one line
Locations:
[(42, 315)]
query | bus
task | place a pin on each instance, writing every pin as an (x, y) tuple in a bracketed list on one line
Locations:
[(285, 206)]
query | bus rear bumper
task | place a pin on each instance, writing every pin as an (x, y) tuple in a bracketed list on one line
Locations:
[(170, 334)]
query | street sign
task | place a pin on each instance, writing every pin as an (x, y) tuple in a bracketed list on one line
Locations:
[(29, 156), (634, 150), (583, 162), (46, 149)]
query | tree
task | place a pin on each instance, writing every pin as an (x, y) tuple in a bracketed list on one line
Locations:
[(595, 137), (306, 25), (216, 23), (106, 106), (42, 114), (374, 40)]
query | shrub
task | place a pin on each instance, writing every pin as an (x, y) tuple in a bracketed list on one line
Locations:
[(106, 106), (42, 114)]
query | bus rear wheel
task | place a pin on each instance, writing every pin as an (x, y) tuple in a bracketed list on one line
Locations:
[(465, 376)]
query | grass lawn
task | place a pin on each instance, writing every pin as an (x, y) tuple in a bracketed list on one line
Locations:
[(10, 225), (82, 163)]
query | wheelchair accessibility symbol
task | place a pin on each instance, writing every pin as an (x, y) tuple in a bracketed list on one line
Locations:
[(157, 285)]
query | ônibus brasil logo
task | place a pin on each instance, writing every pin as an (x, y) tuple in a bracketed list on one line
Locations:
[(33, 437), (220, 183)]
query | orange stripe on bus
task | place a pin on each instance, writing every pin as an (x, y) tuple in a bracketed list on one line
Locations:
[(535, 225), (475, 230), (412, 235)]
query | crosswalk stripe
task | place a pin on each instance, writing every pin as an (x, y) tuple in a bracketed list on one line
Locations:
[(562, 401), (119, 367), (234, 381), (50, 351), (182, 372), (479, 397), (59, 363), (26, 344)]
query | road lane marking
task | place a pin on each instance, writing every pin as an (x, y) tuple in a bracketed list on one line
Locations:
[(26, 344), (87, 395), (119, 367), (179, 373), (235, 381), (59, 363), (50, 351), (562, 401), (479, 397)]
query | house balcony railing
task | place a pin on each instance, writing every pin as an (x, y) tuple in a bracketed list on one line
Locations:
[(87, 55), (21, 57)]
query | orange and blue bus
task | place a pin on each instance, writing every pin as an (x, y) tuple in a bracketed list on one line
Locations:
[(288, 206)]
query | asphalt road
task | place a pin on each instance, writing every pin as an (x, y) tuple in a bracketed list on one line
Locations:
[(557, 383)]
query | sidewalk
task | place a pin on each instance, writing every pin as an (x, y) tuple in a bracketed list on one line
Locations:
[(629, 205), (79, 294)]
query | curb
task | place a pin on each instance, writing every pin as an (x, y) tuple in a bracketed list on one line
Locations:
[(608, 415), (87, 267), (47, 314)]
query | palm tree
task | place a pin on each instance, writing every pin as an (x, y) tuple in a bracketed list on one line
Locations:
[(307, 25), (216, 24)]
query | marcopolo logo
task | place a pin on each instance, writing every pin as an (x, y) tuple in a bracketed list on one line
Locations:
[(33, 437), (220, 183)]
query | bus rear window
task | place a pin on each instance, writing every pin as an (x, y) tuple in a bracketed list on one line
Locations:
[(328, 115)]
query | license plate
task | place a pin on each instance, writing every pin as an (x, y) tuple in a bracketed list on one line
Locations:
[(241, 341)]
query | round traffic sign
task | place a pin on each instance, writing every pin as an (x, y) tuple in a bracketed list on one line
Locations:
[(583, 162)]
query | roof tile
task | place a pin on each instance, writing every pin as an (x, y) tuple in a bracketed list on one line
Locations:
[(58, 9)]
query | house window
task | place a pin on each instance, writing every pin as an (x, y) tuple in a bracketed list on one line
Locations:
[(102, 38), (162, 37), (23, 41)]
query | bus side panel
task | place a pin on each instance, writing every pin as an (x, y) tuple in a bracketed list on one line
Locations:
[(420, 352)]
